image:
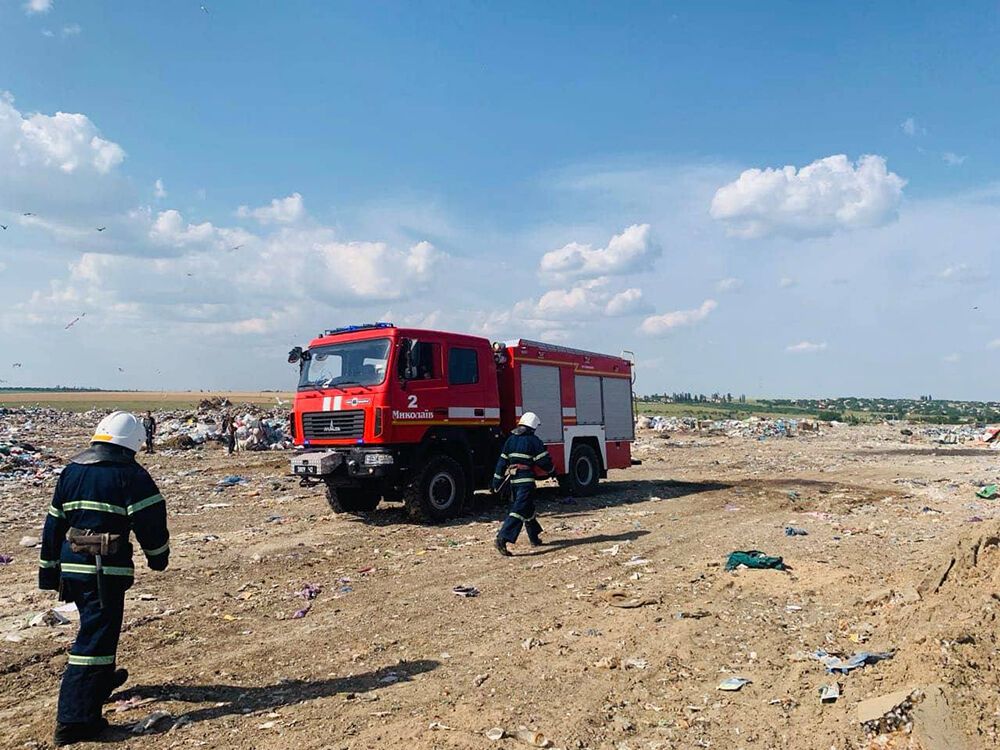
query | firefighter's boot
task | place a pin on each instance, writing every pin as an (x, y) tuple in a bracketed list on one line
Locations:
[(68, 734), (501, 546)]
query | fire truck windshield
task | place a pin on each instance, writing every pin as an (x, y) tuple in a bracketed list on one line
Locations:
[(363, 363)]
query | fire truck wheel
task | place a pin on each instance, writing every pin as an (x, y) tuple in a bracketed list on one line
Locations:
[(352, 499), (438, 492), (584, 471)]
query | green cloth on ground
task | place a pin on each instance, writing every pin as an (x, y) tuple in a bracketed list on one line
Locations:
[(989, 492), (754, 559)]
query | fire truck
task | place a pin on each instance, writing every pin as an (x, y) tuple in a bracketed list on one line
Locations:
[(420, 416)]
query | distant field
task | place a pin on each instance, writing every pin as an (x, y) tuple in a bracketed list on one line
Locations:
[(723, 411), (132, 400)]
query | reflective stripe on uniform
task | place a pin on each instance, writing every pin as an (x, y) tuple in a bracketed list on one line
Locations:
[(48, 563), (55, 512), (497, 476), (519, 517), (143, 504), (523, 480), (111, 570), (520, 455), (504, 456), (91, 505), (91, 661), (157, 551), (541, 455)]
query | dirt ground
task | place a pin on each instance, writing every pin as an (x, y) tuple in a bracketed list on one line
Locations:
[(900, 556)]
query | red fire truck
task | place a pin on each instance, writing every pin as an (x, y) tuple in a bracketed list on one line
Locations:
[(421, 416)]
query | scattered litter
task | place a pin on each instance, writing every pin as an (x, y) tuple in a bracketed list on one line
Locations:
[(309, 592), (299, 614), (479, 679), (635, 561), (232, 480), (887, 713), (134, 702), (695, 615), (532, 738), (624, 601), (6, 559), (929, 509), (465, 591), (860, 659), (613, 550), (211, 506), (529, 643), (754, 559), (635, 663), (829, 693), (50, 618), (795, 531), (495, 734), (29, 541), (989, 492), (150, 723), (733, 683), (439, 725), (607, 662)]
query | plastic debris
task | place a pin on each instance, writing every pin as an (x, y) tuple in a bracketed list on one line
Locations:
[(733, 684), (989, 492), (439, 725), (51, 618), (795, 531), (6, 559), (623, 601), (479, 679), (29, 541), (829, 693), (309, 592), (299, 614), (635, 663), (836, 664), (150, 723), (231, 481), (531, 737), (495, 734), (465, 591), (754, 559)]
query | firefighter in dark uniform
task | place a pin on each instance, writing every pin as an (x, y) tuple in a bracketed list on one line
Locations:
[(522, 459), (102, 495)]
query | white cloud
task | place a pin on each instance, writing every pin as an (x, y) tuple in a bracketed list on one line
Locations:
[(278, 211), (911, 127), (72, 29), (806, 347), (729, 285), (962, 273), (159, 190), (37, 6), (951, 358), (48, 33), (69, 142), (952, 159), (170, 229), (827, 196), (629, 302), (786, 282), (657, 325), (628, 252)]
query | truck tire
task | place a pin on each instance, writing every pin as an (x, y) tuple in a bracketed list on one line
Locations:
[(438, 492), (352, 499), (583, 471)]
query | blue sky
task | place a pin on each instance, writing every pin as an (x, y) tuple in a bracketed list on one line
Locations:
[(467, 166)]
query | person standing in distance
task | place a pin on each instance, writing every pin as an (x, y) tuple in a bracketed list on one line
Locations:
[(522, 454), (101, 497)]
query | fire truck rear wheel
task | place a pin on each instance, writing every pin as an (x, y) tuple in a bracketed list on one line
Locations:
[(583, 471), (438, 492), (352, 499)]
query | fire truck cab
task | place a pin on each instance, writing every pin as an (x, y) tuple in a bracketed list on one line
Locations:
[(421, 416)]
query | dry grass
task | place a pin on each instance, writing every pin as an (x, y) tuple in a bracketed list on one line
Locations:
[(133, 400)]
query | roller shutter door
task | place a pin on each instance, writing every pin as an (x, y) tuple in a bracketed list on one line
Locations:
[(589, 405), (618, 423), (541, 394)]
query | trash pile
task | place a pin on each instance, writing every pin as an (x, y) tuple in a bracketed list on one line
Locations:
[(759, 428), (963, 433), (21, 460), (256, 430)]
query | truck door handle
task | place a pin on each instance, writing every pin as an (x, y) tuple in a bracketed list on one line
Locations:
[(479, 412)]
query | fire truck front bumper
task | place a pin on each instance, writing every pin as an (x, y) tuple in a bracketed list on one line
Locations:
[(345, 464)]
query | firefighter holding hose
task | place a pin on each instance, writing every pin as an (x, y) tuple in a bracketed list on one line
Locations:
[(523, 458), (102, 495)]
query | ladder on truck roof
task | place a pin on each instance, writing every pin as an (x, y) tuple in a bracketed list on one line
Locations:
[(554, 348)]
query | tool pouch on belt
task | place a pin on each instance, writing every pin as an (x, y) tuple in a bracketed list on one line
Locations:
[(83, 541)]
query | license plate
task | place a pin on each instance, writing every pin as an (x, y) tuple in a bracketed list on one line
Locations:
[(305, 469)]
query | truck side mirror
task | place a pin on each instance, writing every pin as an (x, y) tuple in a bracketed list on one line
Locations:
[(295, 355)]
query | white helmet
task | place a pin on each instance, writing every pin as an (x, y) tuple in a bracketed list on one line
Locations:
[(120, 428), (530, 419)]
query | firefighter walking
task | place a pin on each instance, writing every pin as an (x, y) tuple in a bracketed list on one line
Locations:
[(522, 459), (102, 495)]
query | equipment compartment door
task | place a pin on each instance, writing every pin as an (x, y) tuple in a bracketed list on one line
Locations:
[(540, 393), (618, 423)]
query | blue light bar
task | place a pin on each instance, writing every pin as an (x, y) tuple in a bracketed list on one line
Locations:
[(352, 329)]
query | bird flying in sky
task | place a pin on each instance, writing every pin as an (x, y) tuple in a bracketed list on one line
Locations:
[(75, 321), (101, 229)]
